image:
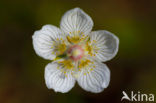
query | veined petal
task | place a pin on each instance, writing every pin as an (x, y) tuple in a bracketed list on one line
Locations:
[(46, 40), (104, 45), (94, 78), (58, 80), (76, 22)]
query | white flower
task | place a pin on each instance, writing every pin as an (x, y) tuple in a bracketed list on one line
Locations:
[(76, 52)]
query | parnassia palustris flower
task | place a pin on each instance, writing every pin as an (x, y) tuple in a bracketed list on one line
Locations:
[(76, 52)]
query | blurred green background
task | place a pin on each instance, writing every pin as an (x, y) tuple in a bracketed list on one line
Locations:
[(22, 71)]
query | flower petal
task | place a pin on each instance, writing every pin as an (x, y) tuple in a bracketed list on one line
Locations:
[(104, 45), (57, 80), (76, 21), (44, 39), (94, 79)]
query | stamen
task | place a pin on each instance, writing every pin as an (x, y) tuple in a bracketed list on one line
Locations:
[(84, 63), (67, 64)]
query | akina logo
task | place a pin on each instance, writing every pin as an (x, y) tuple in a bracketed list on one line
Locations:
[(137, 96)]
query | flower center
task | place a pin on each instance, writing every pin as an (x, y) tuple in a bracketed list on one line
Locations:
[(75, 52)]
